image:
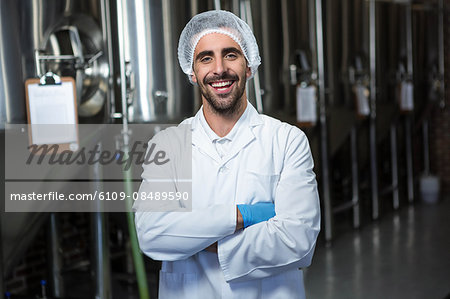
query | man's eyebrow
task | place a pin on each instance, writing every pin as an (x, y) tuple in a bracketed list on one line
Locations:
[(203, 54), (231, 50), (224, 51)]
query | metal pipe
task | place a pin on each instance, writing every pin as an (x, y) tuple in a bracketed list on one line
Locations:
[(102, 266), (2, 268), (123, 86), (217, 4), (256, 80), (107, 37), (57, 57), (409, 54), (137, 255), (355, 183), (235, 7), (346, 46), (323, 121), (197, 96), (286, 54), (37, 63), (167, 13), (346, 34), (258, 95), (312, 38), (426, 149), (55, 258), (246, 15), (441, 51), (330, 53), (409, 41), (373, 114), (394, 169), (194, 7), (409, 160)]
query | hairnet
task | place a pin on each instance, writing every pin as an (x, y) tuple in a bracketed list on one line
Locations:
[(217, 21)]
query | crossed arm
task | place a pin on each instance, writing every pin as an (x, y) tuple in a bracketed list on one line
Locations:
[(252, 214), (239, 225), (243, 253)]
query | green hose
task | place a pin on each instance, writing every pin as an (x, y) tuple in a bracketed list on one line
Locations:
[(138, 259)]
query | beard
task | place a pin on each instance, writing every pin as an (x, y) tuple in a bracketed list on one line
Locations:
[(224, 104)]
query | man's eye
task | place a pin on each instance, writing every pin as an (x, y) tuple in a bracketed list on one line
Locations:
[(205, 59), (231, 56)]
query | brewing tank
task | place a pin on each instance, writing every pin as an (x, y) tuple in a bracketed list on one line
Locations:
[(47, 30), (31, 32), (147, 32), (12, 103)]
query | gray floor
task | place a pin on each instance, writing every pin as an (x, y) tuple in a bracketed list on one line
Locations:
[(406, 254)]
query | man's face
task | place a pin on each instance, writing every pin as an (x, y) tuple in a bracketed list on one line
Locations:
[(221, 71)]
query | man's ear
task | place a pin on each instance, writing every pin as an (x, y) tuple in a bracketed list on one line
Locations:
[(193, 77), (248, 72)]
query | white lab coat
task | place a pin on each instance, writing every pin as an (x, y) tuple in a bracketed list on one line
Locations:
[(269, 161)]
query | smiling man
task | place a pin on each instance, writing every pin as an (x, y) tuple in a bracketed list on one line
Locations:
[(255, 207), (221, 71)]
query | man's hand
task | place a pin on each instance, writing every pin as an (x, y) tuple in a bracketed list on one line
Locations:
[(239, 220), (212, 248), (255, 213)]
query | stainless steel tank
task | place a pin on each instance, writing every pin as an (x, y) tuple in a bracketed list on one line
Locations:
[(266, 19), (429, 54), (12, 99), (299, 54), (148, 31), (68, 38), (33, 35)]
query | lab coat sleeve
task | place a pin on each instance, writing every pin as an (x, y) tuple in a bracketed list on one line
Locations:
[(170, 235), (287, 240)]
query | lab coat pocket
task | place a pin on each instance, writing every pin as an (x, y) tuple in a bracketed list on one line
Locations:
[(259, 187), (177, 285)]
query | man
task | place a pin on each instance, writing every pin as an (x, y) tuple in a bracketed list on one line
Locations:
[(255, 208)]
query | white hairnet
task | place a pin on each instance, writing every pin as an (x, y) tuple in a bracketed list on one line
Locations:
[(217, 21)]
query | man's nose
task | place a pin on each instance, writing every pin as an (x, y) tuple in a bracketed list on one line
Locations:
[(219, 66)]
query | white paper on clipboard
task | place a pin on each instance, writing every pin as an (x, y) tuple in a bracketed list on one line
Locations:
[(307, 104), (406, 96), (362, 100), (52, 113)]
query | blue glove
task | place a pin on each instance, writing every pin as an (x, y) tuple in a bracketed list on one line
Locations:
[(258, 212)]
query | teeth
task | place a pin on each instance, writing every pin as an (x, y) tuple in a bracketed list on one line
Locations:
[(221, 84)]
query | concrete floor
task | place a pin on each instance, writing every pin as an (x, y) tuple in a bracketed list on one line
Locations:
[(405, 254)]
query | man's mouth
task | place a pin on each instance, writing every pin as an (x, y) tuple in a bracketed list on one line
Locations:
[(222, 86)]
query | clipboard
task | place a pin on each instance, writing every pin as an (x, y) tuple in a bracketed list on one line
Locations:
[(362, 105), (52, 112), (306, 97), (405, 94)]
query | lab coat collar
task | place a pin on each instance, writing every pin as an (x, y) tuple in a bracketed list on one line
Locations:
[(254, 118), (244, 136)]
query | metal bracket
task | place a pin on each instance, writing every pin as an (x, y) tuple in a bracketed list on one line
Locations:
[(77, 49)]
